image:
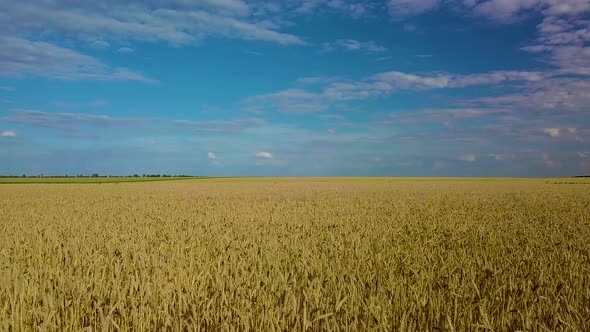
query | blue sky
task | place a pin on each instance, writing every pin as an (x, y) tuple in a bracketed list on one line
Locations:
[(299, 87)]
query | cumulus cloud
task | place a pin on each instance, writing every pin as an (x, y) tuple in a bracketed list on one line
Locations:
[(470, 158), (563, 34), (213, 158), (399, 80), (299, 101), (264, 155), (553, 132), (553, 93), (331, 131), (8, 133), (497, 156)]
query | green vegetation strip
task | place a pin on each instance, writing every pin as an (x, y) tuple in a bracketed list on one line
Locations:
[(99, 180)]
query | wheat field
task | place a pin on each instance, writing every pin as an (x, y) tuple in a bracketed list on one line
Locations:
[(298, 254)]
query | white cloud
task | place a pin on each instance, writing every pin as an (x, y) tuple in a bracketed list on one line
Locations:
[(354, 45), (125, 50), (411, 7), (564, 35), (71, 106), (503, 9), (295, 101), (8, 133), (400, 80), (235, 7), (211, 156), (548, 161), (7, 88), (67, 122), (219, 126), (299, 101), (444, 116), (264, 155), (353, 8), (470, 158), (254, 53), (438, 164), (176, 22), (495, 77), (585, 154), (497, 156), (553, 132), (100, 44), (572, 130), (554, 93), (564, 32), (331, 131), (229, 27), (20, 57), (500, 10), (509, 10), (332, 117)]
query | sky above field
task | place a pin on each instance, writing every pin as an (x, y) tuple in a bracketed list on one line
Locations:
[(298, 87)]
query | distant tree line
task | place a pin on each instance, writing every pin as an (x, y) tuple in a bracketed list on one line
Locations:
[(95, 175)]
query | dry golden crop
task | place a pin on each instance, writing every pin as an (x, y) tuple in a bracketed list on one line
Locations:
[(278, 254)]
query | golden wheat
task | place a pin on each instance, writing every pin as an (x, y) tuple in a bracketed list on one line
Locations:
[(277, 254)]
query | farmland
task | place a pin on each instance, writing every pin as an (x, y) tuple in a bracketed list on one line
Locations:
[(265, 254)]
